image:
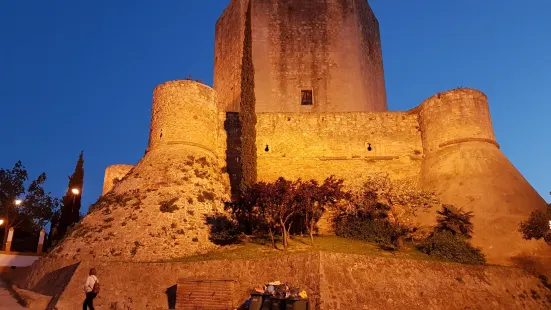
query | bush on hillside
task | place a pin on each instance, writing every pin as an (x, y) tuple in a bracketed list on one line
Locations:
[(223, 231), (455, 220), (368, 222), (446, 246), (537, 225)]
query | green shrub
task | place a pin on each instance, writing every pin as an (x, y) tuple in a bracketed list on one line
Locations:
[(223, 231), (454, 220), (368, 221), (370, 230), (446, 246), (537, 226)]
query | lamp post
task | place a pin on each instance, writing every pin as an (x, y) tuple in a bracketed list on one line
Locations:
[(9, 230), (75, 192)]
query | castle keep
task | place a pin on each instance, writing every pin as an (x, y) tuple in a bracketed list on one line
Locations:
[(299, 93)]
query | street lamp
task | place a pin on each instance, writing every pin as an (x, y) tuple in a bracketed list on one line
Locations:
[(1, 222), (75, 192), (18, 202)]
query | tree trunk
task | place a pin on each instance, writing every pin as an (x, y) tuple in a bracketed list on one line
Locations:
[(283, 233), (311, 231)]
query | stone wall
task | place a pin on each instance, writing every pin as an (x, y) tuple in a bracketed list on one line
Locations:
[(162, 207), (145, 285), (464, 165), (348, 281), (228, 53), (330, 47), (333, 281), (455, 116), (184, 112), (113, 175), (477, 176), (349, 145)]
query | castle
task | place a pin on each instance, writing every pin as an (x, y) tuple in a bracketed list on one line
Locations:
[(299, 92)]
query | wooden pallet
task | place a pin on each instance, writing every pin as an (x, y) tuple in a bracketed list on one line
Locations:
[(205, 295)]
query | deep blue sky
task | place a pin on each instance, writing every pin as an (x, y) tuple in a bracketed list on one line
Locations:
[(79, 75)]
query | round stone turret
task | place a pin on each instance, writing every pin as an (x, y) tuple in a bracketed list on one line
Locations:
[(113, 175), (455, 116), (184, 112)]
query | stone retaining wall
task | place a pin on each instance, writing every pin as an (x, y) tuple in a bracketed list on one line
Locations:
[(333, 281)]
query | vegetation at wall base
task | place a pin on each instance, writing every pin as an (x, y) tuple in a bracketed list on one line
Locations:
[(454, 220), (368, 216), (261, 246), (449, 247), (537, 225)]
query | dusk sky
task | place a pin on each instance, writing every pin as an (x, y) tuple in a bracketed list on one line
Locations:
[(79, 75)]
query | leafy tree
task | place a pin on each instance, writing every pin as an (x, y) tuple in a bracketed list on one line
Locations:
[(71, 202), (537, 225), (454, 220), (267, 208), (277, 204), (313, 199), (34, 211), (11, 186)]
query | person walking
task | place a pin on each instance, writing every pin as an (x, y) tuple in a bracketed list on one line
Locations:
[(91, 288)]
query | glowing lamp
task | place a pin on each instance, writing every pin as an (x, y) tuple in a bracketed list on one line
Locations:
[(18, 202), (75, 191)]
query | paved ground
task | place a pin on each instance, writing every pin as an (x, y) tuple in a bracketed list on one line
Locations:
[(6, 300)]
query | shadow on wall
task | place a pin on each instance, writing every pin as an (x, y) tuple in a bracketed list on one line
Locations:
[(54, 283), (536, 266), (171, 296)]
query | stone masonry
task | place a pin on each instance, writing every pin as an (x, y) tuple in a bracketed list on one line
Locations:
[(160, 208), (332, 281), (205, 143)]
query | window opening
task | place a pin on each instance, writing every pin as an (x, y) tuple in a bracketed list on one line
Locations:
[(306, 97)]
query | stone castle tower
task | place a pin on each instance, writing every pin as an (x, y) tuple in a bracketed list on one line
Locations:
[(299, 93)]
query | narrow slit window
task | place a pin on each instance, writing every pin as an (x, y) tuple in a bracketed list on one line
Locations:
[(306, 97)]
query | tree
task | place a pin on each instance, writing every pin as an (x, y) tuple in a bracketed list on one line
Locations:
[(277, 204), (31, 213), (454, 220), (11, 187), (70, 209), (538, 225), (313, 199)]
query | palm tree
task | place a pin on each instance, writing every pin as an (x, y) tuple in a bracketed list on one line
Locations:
[(454, 220)]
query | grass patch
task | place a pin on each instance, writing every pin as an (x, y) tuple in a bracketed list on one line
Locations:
[(261, 247)]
